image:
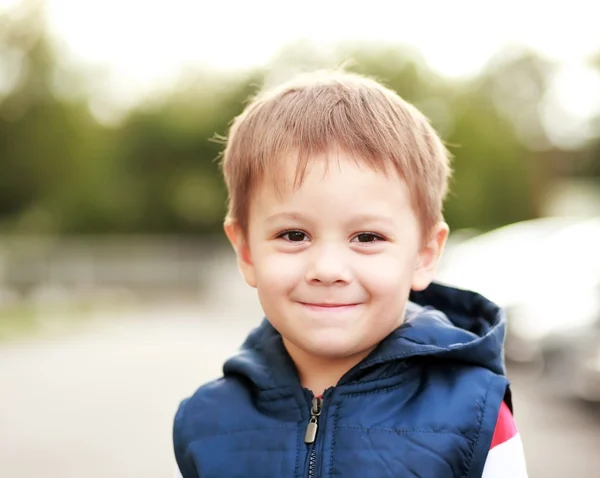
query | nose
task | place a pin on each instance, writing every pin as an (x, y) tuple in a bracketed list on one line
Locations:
[(327, 265)]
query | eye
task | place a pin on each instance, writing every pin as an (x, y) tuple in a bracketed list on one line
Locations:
[(366, 237), (293, 236)]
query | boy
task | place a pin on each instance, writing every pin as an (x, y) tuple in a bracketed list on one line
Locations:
[(363, 367)]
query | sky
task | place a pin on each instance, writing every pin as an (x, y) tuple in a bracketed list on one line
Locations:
[(456, 37), (144, 44)]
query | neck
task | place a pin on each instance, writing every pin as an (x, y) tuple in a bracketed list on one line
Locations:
[(320, 373)]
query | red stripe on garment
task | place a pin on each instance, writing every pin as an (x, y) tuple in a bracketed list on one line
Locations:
[(505, 426)]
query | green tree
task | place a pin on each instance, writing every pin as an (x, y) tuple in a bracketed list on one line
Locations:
[(45, 141)]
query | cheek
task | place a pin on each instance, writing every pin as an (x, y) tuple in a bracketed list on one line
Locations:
[(278, 271), (387, 276)]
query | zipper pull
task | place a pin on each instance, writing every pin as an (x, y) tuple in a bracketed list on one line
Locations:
[(313, 424)]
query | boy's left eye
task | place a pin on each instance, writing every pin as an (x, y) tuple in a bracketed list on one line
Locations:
[(365, 237)]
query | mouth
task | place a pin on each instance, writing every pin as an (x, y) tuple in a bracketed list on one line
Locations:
[(328, 307)]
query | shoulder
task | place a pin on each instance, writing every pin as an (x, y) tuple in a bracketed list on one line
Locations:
[(475, 395), (204, 414), (206, 407), (229, 387), (474, 392), (468, 383), (506, 456)]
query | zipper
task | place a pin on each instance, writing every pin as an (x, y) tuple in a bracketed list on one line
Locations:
[(311, 434)]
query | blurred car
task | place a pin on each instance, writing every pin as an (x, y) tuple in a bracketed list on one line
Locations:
[(572, 367), (544, 273), (562, 306), (496, 263), (587, 375)]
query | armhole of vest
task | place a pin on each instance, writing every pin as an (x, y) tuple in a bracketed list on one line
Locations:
[(497, 392), (179, 444)]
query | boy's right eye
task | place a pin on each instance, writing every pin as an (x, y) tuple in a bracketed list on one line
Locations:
[(293, 236)]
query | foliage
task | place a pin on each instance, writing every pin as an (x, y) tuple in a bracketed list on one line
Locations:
[(63, 172)]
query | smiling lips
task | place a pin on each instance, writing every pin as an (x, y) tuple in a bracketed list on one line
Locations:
[(327, 307)]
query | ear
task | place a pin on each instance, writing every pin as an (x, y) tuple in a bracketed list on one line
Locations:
[(239, 241), (429, 256)]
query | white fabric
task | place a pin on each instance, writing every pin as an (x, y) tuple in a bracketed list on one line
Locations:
[(506, 460)]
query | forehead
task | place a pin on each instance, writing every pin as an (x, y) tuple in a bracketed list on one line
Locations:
[(289, 172), (331, 179)]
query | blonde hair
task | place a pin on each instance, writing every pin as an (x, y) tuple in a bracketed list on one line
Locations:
[(317, 112)]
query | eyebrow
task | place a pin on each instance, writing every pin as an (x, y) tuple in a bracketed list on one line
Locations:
[(358, 219), (286, 215), (362, 218)]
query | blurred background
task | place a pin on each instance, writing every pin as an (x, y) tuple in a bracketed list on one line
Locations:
[(118, 296)]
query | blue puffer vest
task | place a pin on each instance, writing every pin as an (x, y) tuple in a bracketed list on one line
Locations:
[(423, 404)]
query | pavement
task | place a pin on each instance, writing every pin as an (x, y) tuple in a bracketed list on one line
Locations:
[(98, 401)]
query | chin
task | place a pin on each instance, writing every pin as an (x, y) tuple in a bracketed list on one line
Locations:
[(333, 349)]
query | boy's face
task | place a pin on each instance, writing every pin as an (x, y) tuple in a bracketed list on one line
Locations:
[(334, 260)]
